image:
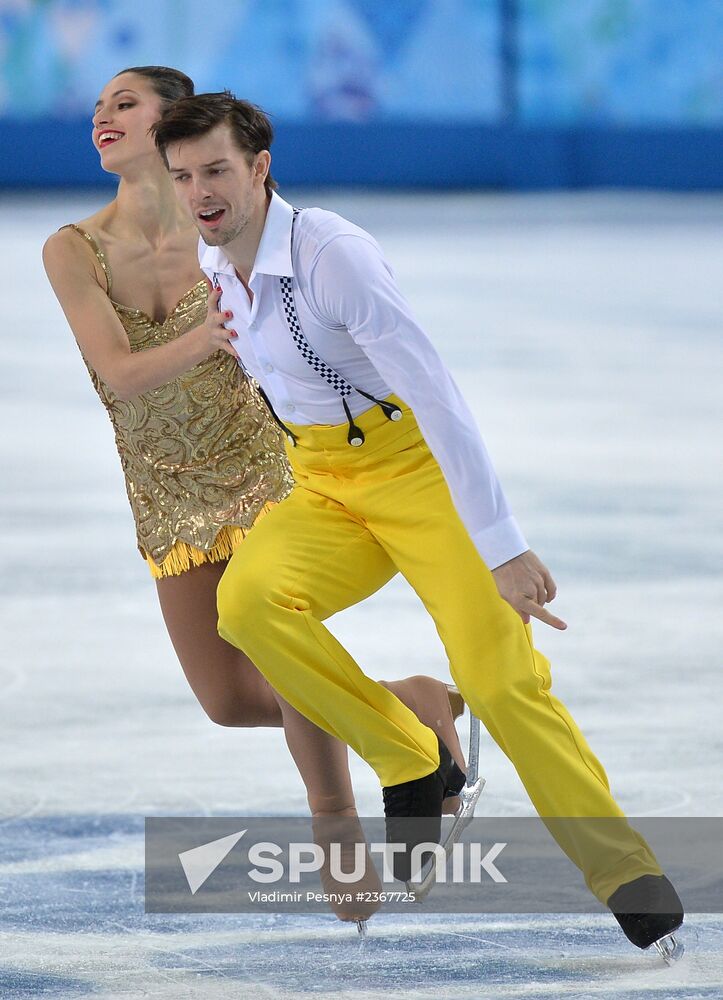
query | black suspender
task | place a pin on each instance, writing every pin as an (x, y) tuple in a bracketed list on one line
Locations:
[(334, 380), (257, 386), (332, 377)]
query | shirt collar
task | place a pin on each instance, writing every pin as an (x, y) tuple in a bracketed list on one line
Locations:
[(274, 252)]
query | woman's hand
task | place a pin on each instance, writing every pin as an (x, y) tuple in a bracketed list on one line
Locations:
[(219, 336)]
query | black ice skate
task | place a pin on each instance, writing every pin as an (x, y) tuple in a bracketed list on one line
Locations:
[(413, 809), (649, 910)]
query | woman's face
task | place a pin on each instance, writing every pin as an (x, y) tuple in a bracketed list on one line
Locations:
[(126, 109)]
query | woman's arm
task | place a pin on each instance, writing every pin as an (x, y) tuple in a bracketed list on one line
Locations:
[(100, 333)]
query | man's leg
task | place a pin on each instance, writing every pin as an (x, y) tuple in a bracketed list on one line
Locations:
[(504, 680), (304, 561)]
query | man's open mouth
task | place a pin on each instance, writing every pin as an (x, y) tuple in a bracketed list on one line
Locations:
[(211, 216)]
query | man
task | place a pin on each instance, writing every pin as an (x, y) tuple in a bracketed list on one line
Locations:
[(389, 465)]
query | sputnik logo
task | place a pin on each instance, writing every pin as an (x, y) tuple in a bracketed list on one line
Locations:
[(201, 862)]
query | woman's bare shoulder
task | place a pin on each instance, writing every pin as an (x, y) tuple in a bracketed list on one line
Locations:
[(67, 255), (66, 239)]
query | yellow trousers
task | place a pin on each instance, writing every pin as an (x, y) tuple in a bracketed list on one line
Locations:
[(355, 517)]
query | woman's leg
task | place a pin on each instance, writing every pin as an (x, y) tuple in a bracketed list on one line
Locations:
[(228, 686), (322, 762), (233, 693), (429, 699)]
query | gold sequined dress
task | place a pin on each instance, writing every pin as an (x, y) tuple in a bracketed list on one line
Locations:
[(200, 454)]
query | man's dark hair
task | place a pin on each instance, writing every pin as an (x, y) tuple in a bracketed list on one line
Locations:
[(169, 84), (195, 116)]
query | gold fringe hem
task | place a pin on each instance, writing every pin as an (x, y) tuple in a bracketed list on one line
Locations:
[(183, 556)]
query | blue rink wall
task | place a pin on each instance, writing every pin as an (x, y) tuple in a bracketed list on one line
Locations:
[(407, 155), (410, 93)]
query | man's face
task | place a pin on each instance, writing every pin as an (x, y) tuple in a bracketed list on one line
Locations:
[(216, 183)]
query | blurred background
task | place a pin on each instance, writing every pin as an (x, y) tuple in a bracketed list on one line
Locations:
[(449, 93)]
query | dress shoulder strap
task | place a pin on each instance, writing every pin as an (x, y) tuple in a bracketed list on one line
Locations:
[(100, 255)]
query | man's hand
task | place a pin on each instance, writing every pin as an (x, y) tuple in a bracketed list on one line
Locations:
[(527, 585)]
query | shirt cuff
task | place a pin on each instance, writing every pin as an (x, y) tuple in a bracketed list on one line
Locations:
[(500, 542)]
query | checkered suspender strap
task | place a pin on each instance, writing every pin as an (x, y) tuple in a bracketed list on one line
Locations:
[(257, 385), (332, 377)]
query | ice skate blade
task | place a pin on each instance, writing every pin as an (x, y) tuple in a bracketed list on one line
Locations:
[(670, 949), (469, 797)]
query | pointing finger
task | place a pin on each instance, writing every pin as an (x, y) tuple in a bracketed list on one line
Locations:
[(544, 616)]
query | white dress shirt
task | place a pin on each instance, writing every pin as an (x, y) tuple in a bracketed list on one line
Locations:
[(356, 319)]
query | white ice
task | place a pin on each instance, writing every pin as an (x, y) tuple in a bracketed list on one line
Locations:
[(585, 331)]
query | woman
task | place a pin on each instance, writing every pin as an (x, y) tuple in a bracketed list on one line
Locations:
[(201, 457)]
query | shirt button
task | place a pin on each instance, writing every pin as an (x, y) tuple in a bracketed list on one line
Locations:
[(268, 367), (289, 407), (252, 326)]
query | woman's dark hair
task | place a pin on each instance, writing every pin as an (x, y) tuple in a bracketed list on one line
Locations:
[(191, 117), (170, 84)]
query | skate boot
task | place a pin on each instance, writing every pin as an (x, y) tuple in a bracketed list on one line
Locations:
[(413, 809), (648, 909)]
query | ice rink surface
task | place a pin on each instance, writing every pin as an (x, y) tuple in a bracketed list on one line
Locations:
[(586, 332)]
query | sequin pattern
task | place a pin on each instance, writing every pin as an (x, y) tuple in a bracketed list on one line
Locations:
[(199, 453)]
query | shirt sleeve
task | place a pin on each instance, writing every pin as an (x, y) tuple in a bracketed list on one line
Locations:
[(353, 286)]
